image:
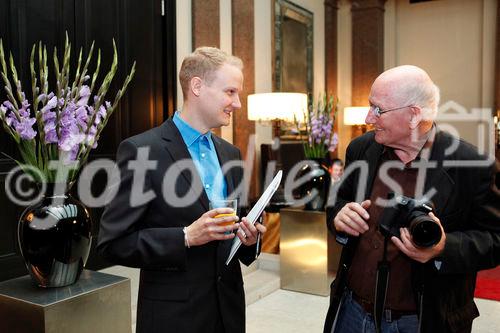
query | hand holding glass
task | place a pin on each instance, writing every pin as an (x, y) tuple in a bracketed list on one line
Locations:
[(233, 203)]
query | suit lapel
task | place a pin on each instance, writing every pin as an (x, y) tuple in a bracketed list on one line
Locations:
[(438, 177), (177, 149)]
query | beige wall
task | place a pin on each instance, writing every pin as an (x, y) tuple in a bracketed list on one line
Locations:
[(454, 41), (451, 39)]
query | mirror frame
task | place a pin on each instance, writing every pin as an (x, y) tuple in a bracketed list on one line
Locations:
[(286, 10)]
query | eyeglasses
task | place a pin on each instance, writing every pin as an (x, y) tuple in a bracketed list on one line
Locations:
[(378, 112)]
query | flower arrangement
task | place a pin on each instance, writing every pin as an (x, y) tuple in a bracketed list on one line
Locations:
[(319, 123), (60, 127)]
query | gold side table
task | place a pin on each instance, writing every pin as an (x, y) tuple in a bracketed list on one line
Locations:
[(309, 254)]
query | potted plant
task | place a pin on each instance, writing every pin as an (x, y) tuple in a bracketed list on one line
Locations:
[(55, 132), (320, 140)]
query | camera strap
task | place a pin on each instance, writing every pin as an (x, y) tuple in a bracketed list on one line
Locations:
[(381, 284)]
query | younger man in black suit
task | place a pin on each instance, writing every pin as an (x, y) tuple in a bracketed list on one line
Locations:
[(170, 233)]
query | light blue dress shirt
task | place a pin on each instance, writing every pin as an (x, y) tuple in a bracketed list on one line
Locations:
[(204, 155)]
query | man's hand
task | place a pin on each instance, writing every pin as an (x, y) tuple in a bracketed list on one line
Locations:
[(207, 228), (419, 254), (248, 232), (351, 219)]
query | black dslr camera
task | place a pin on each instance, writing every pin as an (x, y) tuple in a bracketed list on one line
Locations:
[(412, 214)]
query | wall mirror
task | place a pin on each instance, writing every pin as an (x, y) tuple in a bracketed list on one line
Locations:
[(293, 48)]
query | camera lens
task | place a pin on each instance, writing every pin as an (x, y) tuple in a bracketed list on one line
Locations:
[(424, 230)]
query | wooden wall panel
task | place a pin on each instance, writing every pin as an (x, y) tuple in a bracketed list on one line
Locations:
[(206, 23), (206, 27), (243, 47), (367, 47), (331, 49)]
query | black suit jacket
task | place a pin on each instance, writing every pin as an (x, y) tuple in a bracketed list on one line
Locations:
[(181, 289), (467, 203)]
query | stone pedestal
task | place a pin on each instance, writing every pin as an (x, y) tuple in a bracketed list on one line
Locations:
[(98, 302)]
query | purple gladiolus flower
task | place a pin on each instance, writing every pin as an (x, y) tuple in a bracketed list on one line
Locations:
[(11, 120), (24, 111), (101, 114), (48, 116), (50, 135), (74, 153), (321, 136), (8, 105), (69, 139), (334, 142), (81, 117), (84, 96), (52, 103), (25, 128)]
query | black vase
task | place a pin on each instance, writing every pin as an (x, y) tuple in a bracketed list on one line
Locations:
[(315, 190), (55, 238)]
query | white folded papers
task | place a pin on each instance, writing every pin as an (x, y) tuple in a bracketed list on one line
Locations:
[(256, 211)]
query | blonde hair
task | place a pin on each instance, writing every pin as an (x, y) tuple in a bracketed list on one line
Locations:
[(203, 63)]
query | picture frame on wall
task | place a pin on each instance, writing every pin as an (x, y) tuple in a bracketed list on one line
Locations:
[(293, 54), (293, 48)]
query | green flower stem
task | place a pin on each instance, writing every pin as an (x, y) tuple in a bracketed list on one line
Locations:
[(36, 153), (84, 70), (96, 73), (16, 80)]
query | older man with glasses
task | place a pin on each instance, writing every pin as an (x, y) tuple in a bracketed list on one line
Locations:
[(385, 281)]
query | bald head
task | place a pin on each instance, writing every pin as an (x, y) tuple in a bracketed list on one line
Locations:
[(409, 85)]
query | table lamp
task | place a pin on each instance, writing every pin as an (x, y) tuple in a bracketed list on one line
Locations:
[(277, 107), (355, 116)]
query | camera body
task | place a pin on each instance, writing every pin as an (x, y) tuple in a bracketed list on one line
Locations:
[(412, 214)]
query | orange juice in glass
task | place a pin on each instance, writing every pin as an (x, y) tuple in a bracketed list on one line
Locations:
[(225, 204)]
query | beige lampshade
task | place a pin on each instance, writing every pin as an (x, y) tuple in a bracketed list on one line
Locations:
[(278, 105), (355, 115)]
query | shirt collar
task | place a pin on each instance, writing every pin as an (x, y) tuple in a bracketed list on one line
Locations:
[(189, 134)]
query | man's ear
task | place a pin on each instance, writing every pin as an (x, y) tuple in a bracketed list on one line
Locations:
[(195, 85), (416, 116)]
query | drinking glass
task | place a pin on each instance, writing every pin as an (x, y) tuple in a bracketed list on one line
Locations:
[(233, 203)]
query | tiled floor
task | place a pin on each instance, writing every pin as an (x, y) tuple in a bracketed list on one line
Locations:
[(273, 310), (291, 312)]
